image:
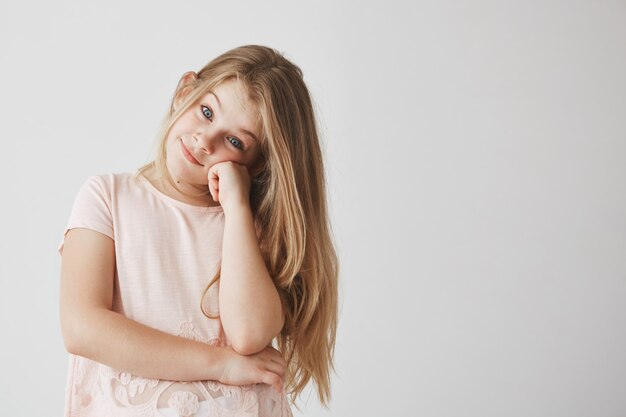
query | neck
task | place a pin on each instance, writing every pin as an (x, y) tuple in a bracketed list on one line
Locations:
[(166, 188)]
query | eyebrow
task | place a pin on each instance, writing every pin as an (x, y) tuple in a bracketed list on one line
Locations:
[(247, 132)]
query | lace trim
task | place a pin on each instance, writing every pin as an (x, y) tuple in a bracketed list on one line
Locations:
[(126, 389), (100, 389), (184, 402)]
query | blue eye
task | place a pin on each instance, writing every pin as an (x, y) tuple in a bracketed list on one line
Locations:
[(207, 112), (236, 142)]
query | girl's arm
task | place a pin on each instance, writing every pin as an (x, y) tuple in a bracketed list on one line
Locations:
[(90, 329), (250, 308)]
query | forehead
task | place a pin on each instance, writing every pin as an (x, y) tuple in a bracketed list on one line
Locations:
[(233, 101), (233, 95)]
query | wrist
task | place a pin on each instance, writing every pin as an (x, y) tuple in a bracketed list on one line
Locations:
[(214, 360), (240, 206)]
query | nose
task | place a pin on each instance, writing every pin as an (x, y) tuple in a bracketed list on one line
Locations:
[(205, 142)]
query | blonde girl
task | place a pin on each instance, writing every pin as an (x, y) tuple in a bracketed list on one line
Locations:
[(177, 278)]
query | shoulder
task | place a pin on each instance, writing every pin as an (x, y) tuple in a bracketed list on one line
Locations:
[(105, 191), (112, 178), (110, 183), (95, 187)]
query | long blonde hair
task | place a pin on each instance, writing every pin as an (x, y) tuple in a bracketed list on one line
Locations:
[(288, 201)]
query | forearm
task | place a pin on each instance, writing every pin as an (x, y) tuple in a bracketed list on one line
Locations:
[(250, 308), (117, 341)]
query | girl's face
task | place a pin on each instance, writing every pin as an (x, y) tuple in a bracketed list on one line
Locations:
[(221, 126)]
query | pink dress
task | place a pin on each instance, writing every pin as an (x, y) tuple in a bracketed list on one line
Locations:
[(166, 253)]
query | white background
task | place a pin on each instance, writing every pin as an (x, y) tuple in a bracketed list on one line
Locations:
[(476, 163)]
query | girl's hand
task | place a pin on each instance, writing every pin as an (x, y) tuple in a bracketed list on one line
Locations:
[(229, 183), (266, 366)]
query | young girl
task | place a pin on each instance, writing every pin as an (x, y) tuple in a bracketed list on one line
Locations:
[(176, 278)]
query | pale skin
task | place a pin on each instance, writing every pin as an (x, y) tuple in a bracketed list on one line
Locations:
[(250, 308)]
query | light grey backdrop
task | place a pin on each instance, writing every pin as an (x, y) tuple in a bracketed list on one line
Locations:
[(475, 154)]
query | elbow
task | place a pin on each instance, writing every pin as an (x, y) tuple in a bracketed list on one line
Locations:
[(73, 328), (71, 347), (70, 340), (251, 342), (251, 338), (248, 346)]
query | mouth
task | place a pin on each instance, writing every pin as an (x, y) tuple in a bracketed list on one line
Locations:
[(188, 154)]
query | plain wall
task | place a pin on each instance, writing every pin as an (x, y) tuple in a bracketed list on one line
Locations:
[(475, 153)]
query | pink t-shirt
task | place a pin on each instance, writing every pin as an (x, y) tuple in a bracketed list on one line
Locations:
[(166, 253)]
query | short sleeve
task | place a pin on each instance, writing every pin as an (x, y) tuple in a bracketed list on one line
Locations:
[(91, 209)]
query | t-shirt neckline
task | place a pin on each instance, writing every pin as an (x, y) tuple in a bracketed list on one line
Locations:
[(173, 201)]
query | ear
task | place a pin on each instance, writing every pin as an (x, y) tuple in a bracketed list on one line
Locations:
[(183, 87)]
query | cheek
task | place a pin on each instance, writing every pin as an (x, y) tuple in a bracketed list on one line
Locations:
[(171, 148)]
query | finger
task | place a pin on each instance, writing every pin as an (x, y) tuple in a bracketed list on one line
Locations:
[(277, 368), (279, 360), (274, 380), (278, 357), (213, 184), (210, 188), (214, 173), (216, 184), (210, 180)]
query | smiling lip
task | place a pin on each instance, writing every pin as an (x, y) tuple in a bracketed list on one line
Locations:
[(188, 155)]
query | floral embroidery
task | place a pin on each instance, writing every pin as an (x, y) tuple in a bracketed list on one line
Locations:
[(138, 385), (228, 391), (131, 385), (250, 403), (188, 331), (216, 341), (132, 395), (125, 378), (121, 395), (185, 402)]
